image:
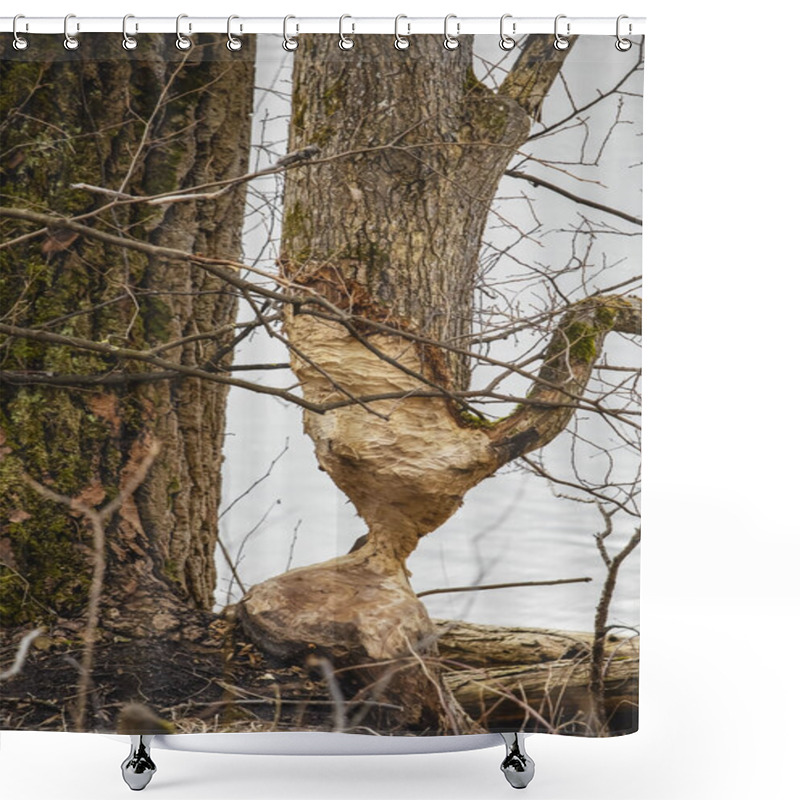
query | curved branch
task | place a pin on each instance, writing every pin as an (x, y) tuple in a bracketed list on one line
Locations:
[(533, 73), (569, 360)]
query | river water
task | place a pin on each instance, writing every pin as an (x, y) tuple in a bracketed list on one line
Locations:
[(514, 526)]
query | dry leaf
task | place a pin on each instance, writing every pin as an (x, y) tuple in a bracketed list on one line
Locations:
[(58, 241), (7, 554)]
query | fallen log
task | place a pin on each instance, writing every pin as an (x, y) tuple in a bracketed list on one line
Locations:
[(538, 679)]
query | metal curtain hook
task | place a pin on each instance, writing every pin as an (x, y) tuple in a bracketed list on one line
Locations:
[(401, 42), (234, 44), (128, 42), (70, 42), (345, 43), (623, 44), (450, 41), (560, 42), (506, 42), (289, 42), (181, 42), (20, 42)]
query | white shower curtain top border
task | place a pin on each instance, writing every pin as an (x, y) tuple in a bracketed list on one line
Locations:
[(462, 26)]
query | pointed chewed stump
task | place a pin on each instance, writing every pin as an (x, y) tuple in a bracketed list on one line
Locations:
[(138, 768), (358, 612), (517, 766)]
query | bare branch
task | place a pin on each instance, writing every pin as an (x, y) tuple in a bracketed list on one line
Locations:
[(503, 586), (574, 348), (337, 697), (570, 196), (22, 653), (289, 160), (137, 355), (596, 675), (576, 112)]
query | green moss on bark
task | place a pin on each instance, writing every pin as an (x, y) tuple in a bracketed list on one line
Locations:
[(581, 338), (69, 123)]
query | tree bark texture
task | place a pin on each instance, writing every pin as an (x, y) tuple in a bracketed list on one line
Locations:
[(386, 225), (498, 674), (417, 153), (142, 122)]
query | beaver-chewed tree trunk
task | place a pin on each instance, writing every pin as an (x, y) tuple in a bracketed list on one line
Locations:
[(387, 228), (146, 122)]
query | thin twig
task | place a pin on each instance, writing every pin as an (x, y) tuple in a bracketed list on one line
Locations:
[(339, 706), (226, 185), (513, 173), (596, 672), (502, 586), (22, 653), (97, 520)]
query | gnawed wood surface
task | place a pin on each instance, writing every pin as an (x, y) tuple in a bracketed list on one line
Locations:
[(408, 171), (358, 615), (397, 241)]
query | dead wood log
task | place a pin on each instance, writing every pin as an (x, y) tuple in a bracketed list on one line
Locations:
[(492, 645), (537, 679)]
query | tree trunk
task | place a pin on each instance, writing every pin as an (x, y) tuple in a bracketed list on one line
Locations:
[(384, 230), (143, 122), (410, 160), (397, 242)]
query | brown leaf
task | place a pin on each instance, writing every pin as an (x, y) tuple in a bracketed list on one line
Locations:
[(58, 241), (91, 495), (7, 554), (42, 643), (106, 406), (16, 160), (18, 516)]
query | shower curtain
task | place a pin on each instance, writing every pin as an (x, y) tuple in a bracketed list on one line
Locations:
[(320, 385)]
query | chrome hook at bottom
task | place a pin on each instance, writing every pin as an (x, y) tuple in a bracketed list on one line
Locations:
[(517, 766), (138, 768)]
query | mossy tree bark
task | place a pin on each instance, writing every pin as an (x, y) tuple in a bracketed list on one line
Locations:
[(388, 228), (143, 122)]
